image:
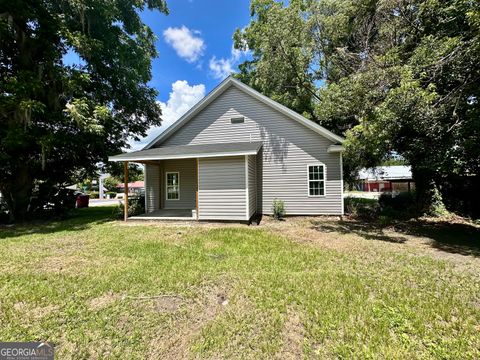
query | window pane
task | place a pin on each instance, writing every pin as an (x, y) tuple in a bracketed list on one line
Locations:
[(316, 188), (173, 190), (315, 172), (172, 179)]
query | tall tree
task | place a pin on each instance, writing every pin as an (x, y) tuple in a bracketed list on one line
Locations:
[(57, 119), (400, 75), (283, 65)]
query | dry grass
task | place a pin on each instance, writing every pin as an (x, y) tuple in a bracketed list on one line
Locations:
[(305, 287)]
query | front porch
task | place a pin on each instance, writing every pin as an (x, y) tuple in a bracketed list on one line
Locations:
[(198, 182), (167, 214)]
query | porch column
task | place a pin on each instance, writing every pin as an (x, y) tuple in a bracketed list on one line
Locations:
[(198, 187), (125, 203)]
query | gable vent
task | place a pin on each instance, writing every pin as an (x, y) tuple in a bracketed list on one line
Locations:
[(237, 119)]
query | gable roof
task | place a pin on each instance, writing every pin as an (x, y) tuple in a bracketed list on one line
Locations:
[(224, 85)]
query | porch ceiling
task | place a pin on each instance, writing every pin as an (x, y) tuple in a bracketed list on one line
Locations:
[(191, 151)]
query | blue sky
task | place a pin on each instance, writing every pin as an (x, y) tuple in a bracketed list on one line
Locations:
[(195, 53), (194, 43), (211, 21)]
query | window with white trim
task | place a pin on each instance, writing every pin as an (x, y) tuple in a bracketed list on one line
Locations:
[(316, 180), (173, 186)]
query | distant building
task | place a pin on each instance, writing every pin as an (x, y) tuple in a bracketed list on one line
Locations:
[(136, 187), (385, 179)]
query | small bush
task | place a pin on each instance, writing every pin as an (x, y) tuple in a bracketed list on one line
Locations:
[(361, 207), (112, 194), (4, 217), (438, 207), (51, 201), (278, 209), (93, 194), (136, 206), (403, 201)]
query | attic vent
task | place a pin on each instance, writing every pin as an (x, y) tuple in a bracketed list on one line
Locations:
[(237, 119)]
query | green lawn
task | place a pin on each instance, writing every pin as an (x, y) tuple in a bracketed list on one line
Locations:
[(318, 288)]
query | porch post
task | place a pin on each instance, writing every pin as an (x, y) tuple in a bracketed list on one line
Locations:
[(125, 203), (198, 186)]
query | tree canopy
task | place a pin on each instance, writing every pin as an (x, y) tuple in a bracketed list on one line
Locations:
[(60, 120), (392, 76)]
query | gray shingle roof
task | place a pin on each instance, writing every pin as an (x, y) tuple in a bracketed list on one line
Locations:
[(191, 151)]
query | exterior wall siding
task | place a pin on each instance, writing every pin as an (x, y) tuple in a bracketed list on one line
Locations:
[(152, 187), (252, 185), (288, 147), (222, 193), (187, 168)]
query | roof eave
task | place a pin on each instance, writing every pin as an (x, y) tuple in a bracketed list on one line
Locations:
[(117, 158)]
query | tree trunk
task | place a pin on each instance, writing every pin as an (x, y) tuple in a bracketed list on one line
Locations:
[(17, 194), (429, 198)]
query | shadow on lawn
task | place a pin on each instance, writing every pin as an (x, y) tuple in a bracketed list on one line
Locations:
[(81, 219), (458, 238)]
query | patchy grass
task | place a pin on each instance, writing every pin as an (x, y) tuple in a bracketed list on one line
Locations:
[(318, 287)]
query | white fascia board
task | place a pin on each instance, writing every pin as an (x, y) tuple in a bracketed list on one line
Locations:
[(187, 156)]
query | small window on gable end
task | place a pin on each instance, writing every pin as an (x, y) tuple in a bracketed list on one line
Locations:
[(237, 119)]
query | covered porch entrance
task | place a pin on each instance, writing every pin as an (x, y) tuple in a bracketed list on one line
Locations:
[(198, 182)]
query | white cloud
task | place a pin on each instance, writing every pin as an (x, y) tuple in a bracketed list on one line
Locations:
[(181, 99), (221, 68), (186, 42)]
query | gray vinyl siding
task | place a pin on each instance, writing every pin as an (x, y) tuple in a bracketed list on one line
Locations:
[(152, 187), (222, 193), (252, 186), (187, 168), (288, 148)]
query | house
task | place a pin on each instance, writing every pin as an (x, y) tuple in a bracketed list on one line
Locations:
[(136, 187), (385, 179), (236, 151)]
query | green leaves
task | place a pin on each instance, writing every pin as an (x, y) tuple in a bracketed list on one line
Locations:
[(57, 120), (80, 111), (396, 76)]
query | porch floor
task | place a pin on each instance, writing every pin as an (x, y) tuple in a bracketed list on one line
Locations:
[(166, 214)]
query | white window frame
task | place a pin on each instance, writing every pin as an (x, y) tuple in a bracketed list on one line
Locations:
[(324, 180), (166, 185)]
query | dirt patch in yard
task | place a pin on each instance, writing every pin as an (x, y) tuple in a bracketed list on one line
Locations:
[(34, 312), (453, 241), (161, 303), (176, 343), (64, 264), (103, 301), (293, 335)]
